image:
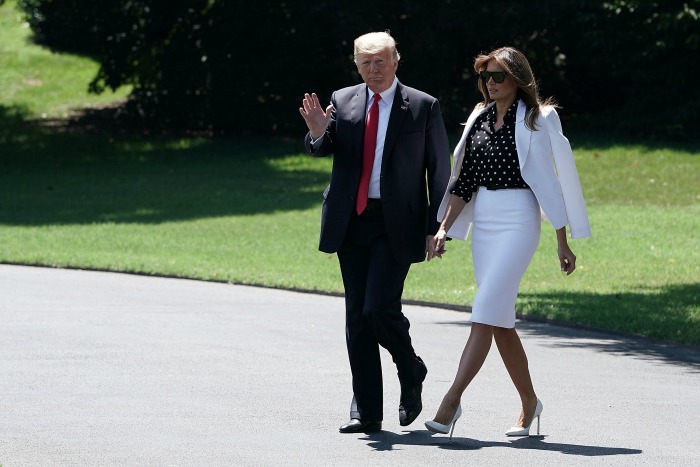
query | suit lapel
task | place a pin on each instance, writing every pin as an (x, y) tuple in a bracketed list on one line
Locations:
[(358, 105), (522, 134), (399, 110)]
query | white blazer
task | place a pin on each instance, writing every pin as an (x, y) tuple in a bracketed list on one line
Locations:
[(547, 166)]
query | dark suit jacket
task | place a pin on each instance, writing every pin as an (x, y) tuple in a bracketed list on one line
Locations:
[(415, 168)]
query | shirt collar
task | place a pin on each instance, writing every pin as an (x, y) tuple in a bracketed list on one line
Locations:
[(388, 95), (510, 113)]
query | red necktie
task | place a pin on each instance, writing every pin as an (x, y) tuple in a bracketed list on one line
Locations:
[(368, 154)]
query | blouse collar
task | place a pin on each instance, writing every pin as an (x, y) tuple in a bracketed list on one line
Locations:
[(510, 113)]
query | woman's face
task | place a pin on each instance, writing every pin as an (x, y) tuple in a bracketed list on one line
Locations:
[(500, 92)]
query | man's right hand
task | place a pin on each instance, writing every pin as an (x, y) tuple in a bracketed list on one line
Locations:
[(315, 117)]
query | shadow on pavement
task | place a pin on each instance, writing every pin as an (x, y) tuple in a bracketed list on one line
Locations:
[(388, 441)]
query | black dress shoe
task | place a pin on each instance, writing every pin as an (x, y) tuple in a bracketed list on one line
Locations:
[(358, 426), (411, 404)]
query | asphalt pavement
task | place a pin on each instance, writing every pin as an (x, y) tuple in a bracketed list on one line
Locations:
[(104, 369)]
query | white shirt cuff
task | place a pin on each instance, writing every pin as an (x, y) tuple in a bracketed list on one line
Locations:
[(315, 143)]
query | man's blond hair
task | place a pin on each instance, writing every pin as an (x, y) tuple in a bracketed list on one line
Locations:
[(375, 42)]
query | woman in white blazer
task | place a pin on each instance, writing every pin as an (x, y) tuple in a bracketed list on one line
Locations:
[(511, 164)]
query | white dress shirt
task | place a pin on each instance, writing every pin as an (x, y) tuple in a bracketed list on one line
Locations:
[(385, 104)]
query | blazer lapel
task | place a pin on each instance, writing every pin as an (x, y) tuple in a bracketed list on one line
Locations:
[(462, 144), (522, 134), (399, 110)]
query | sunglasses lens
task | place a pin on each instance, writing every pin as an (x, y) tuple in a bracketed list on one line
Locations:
[(498, 76)]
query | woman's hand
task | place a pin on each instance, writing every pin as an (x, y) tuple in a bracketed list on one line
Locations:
[(436, 244), (567, 258)]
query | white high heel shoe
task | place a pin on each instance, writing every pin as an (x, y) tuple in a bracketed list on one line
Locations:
[(525, 431), (436, 427)]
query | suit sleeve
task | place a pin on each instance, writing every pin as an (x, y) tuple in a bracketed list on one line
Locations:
[(437, 163), (568, 177)]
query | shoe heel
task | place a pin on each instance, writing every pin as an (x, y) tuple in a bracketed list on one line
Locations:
[(453, 428), (525, 430)]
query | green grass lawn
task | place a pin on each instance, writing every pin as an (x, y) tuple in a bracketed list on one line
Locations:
[(35, 80), (247, 211)]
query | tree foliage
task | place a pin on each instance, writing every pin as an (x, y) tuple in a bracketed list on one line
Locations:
[(243, 66)]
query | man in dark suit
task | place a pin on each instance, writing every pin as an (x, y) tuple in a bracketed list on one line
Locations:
[(391, 166)]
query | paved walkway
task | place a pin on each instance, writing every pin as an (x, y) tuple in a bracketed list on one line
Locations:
[(101, 369)]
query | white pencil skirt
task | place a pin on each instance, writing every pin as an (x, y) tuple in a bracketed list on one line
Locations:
[(505, 235)]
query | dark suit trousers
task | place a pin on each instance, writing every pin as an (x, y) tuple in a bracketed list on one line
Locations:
[(373, 282)]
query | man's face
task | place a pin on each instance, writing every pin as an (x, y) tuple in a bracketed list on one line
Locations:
[(377, 70)]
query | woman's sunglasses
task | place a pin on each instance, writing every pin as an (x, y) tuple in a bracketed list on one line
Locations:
[(498, 76)]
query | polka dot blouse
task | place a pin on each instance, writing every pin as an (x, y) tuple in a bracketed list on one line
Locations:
[(491, 159)]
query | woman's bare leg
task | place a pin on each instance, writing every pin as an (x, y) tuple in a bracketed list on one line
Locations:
[(513, 354), (473, 357)]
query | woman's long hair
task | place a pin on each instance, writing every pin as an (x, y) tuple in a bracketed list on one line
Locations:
[(518, 68)]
